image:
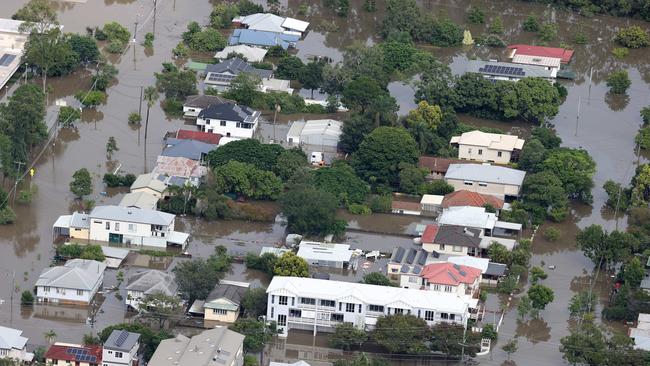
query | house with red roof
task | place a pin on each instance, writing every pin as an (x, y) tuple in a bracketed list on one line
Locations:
[(437, 167), (406, 208), (65, 354), (563, 54), (205, 137), (446, 277), (464, 197)]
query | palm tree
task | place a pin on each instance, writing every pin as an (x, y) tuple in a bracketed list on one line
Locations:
[(151, 96), (50, 336)]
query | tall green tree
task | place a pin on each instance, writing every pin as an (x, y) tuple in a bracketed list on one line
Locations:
[(341, 181), (254, 302), (448, 339), (289, 264), (618, 82), (161, 306), (575, 168), (256, 333), (251, 151), (311, 211), (311, 76), (150, 96), (401, 333), (175, 83), (81, 184), (540, 296), (346, 336), (355, 128), (361, 92)]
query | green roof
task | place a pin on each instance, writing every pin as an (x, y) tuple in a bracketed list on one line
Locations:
[(197, 66), (221, 303)]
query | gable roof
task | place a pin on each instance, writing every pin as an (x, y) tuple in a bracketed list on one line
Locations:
[(458, 235), (430, 233), (122, 340), (153, 281), (132, 214), (179, 167), (562, 53), (189, 149), (475, 217), (439, 165), (77, 274), (11, 338), (252, 54), (445, 273), (486, 173), (206, 137), (139, 199), (495, 141), (236, 66), (217, 346), (226, 295), (150, 181), (262, 38), (464, 197), (504, 69), (271, 23), (72, 353), (230, 112), (204, 101)]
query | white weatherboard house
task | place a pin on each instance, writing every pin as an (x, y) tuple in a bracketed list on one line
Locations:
[(229, 120), (12, 345), (214, 347), (74, 283), (498, 181), (325, 254), (320, 305), (268, 22), (121, 349), (488, 147), (149, 282)]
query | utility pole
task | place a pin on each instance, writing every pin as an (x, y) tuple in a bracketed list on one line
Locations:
[(19, 163), (13, 287), (591, 74), (578, 115), (275, 116), (140, 113)]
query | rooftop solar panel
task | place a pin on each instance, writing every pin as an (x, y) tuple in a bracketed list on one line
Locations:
[(6, 59), (422, 259), (121, 338), (411, 256), (399, 254)]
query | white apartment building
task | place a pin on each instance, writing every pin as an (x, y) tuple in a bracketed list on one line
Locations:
[(319, 305)]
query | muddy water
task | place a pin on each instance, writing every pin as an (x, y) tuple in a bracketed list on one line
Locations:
[(606, 129)]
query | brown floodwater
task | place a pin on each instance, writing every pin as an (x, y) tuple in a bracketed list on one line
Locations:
[(606, 128)]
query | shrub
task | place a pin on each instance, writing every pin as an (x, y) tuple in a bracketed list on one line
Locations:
[(26, 298), (633, 37), (276, 51), (380, 203), (116, 32), (620, 52), (173, 107), (618, 82), (476, 15), (548, 32), (180, 50), (531, 24), (115, 47), (493, 41), (357, 209), (643, 138), (148, 40), (551, 234), (68, 116), (135, 118), (116, 180), (580, 37), (90, 98), (489, 332), (207, 40)]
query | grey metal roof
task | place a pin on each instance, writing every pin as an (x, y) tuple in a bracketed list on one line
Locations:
[(190, 149), (218, 346), (233, 293), (507, 69), (485, 173), (150, 181), (152, 281), (203, 101), (121, 340), (78, 274), (11, 338), (79, 220), (496, 269), (236, 66), (130, 214), (139, 199), (458, 235), (230, 112)]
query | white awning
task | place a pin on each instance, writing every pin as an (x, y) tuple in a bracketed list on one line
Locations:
[(63, 222), (371, 321), (507, 225), (177, 237)]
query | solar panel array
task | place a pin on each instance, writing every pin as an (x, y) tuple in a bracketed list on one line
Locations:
[(411, 256), (503, 70), (121, 338), (222, 78), (6, 59), (81, 355)]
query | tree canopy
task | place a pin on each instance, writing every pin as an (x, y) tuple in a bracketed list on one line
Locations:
[(341, 181), (311, 211), (289, 264)]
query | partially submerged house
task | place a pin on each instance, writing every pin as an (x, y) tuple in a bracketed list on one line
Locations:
[(478, 218), (250, 54), (149, 282), (269, 22), (219, 76), (218, 346), (325, 254), (488, 147), (406, 207), (189, 149), (263, 38), (13, 345), (230, 120), (74, 283), (194, 104), (498, 181), (121, 349), (506, 71), (205, 137), (564, 54), (179, 171), (223, 304)]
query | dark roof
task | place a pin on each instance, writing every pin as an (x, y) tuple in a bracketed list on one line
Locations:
[(496, 269), (415, 257), (89, 354), (233, 293), (439, 165), (228, 112), (458, 235), (236, 66), (207, 137), (204, 101), (189, 149), (121, 340)]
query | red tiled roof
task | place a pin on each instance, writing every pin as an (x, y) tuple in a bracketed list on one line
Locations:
[(207, 137), (60, 352), (446, 273), (466, 198), (429, 233), (405, 205), (561, 53), (439, 165)]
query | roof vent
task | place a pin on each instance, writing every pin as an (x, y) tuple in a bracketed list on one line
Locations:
[(457, 267)]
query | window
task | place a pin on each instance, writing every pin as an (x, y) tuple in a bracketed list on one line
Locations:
[(448, 288), (293, 301), (429, 315), (360, 307), (458, 248), (469, 150), (108, 225), (349, 308), (110, 352), (442, 247), (468, 183), (328, 303), (282, 320), (307, 301), (272, 311), (413, 279), (46, 289), (118, 354), (238, 125), (219, 311), (283, 300), (376, 308), (80, 292), (481, 184), (436, 287), (222, 123), (131, 228), (499, 153), (398, 311), (480, 151), (97, 222), (444, 316), (117, 226), (295, 313), (452, 316), (337, 317)]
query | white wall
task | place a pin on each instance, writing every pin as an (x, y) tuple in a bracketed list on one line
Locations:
[(99, 232), (109, 357), (229, 130), (56, 294), (191, 111), (481, 153), (494, 189)]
